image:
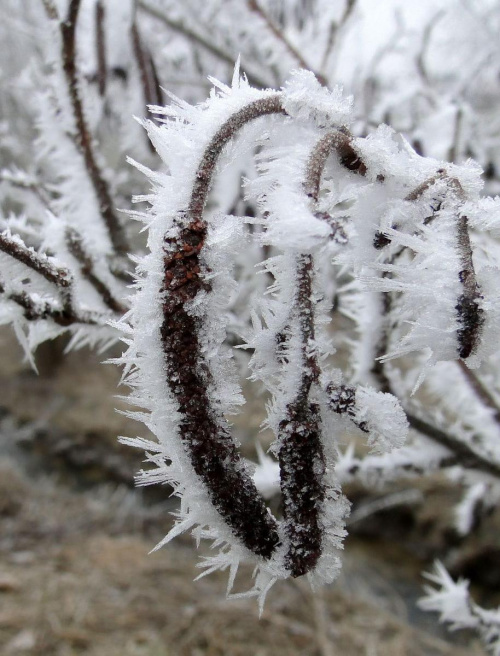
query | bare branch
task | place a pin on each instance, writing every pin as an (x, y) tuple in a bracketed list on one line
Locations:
[(196, 37), (254, 6), (83, 137), (76, 248), (56, 275), (481, 390), (466, 457), (335, 28), (101, 47)]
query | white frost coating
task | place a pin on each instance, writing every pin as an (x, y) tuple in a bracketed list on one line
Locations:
[(306, 99), (452, 600), (385, 418)]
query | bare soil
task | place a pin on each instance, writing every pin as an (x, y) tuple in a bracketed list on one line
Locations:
[(76, 577)]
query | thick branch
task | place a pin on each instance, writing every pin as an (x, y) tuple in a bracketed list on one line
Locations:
[(203, 430), (301, 457)]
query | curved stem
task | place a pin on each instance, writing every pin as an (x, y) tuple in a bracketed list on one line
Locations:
[(203, 430)]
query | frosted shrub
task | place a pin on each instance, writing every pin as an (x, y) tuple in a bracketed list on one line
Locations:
[(405, 244)]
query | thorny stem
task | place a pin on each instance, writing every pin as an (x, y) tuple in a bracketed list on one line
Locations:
[(254, 6), (82, 136), (196, 37)]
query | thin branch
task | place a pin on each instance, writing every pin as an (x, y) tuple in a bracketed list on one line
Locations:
[(87, 266), (83, 137), (100, 47), (59, 276), (196, 37), (65, 316), (481, 390), (206, 168), (335, 28), (466, 456), (51, 9), (340, 142), (254, 6), (22, 180)]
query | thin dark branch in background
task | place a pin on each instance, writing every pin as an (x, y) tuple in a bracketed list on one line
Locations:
[(35, 310), (151, 90), (196, 37), (82, 136), (51, 9), (466, 457), (54, 274), (28, 184), (335, 27), (481, 390), (101, 47), (426, 39), (254, 6), (87, 267)]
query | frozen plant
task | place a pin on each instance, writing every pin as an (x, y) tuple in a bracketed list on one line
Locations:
[(404, 245), (398, 222), (453, 601)]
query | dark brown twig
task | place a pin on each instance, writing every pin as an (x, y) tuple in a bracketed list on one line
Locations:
[(87, 267), (204, 431), (151, 89), (102, 71), (481, 390), (56, 275), (83, 138)]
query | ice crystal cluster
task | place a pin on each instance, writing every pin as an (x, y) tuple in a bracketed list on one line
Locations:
[(396, 221)]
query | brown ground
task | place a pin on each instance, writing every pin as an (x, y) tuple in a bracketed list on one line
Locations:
[(76, 577)]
